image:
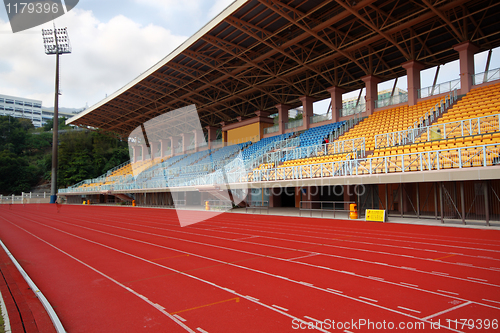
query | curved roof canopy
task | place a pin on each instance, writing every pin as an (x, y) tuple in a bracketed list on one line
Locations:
[(259, 53)]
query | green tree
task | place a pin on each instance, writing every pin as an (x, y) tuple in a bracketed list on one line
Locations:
[(15, 174), (50, 124), (26, 155)]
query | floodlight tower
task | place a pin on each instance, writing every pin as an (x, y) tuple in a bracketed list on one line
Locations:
[(56, 41)]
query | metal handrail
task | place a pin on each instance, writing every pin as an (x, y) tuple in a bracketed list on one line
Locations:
[(488, 76), (439, 88), (413, 132), (320, 206), (393, 100), (271, 129), (473, 156), (320, 118), (294, 124), (352, 110)]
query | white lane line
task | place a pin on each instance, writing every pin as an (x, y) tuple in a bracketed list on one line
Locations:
[(489, 300), (447, 310), (267, 245), (252, 298), (211, 245), (335, 291), (368, 299), (177, 321), (473, 278), (5, 315), (307, 256), (311, 318), (409, 284), (346, 331), (410, 268), (56, 322), (179, 317), (380, 263), (440, 273), (485, 257), (346, 272), (238, 239), (158, 306), (201, 330), (280, 307), (464, 264), (315, 230), (448, 292), (180, 323), (376, 278), (306, 283), (408, 309)]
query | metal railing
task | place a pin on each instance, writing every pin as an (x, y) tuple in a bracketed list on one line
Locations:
[(413, 132), (462, 157), (219, 205), (320, 118), (271, 129), (338, 147), (348, 124), (23, 198), (352, 110), (117, 167), (488, 76), (324, 206), (475, 156), (257, 205), (294, 124), (439, 88), (466, 127), (398, 99)]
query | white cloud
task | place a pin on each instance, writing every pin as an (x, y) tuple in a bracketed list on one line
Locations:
[(218, 7), (106, 56)]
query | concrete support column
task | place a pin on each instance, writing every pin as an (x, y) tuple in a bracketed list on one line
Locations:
[(371, 82), (135, 150), (171, 140), (283, 117), (307, 107), (224, 134), (466, 53), (154, 149), (198, 139), (163, 146), (336, 95), (212, 135), (144, 151), (174, 144), (413, 69), (185, 142)]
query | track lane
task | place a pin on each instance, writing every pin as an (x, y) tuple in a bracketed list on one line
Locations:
[(395, 292), (172, 223)]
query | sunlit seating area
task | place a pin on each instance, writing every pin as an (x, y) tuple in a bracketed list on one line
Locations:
[(306, 155), (389, 120)]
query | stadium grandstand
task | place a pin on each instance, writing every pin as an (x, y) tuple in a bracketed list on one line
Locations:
[(432, 152)]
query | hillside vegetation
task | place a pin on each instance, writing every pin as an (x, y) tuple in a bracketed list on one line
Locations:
[(26, 155)]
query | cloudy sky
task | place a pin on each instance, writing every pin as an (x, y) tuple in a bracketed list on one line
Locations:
[(113, 42)]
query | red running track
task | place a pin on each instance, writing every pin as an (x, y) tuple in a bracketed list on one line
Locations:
[(126, 269)]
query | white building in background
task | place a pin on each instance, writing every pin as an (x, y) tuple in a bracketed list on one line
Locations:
[(21, 108), (31, 109), (383, 94)]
